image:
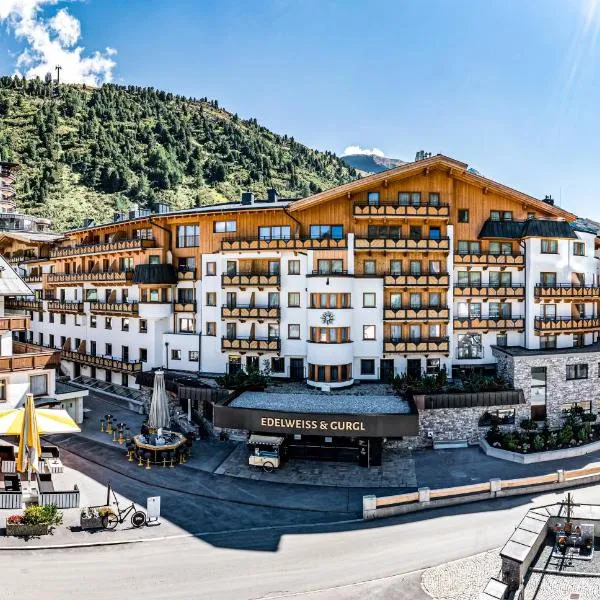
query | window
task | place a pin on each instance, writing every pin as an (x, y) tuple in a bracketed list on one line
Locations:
[(507, 215), (294, 267), (211, 328), (143, 355), (93, 321), (578, 340), (469, 279), (500, 279), (188, 236), (231, 267), (321, 232), (125, 325), (538, 386), (63, 319), (278, 364), (175, 354), (367, 366), (38, 385), (225, 226), (415, 198), (463, 215), (435, 299), (186, 264), (293, 299), (108, 349), (414, 332), (273, 331), (51, 341), (369, 300), (373, 198), (435, 233), (577, 371), (142, 234), (382, 232), (186, 325), (415, 232), (467, 247), (211, 298), (434, 198), (51, 317), (435, 267), (548, 342), (107, 322), (369, 267), (415, 267), (502, 340), (327, 266), (277, 232), (578, 249), (403, 198), (193, 356), (497, 248), (273, 299), (211, 268), (549, 247), (368, 332), (293, 331), (432, 366), (395, 267), (548, 279), (415, 300), (495, 215), (143, 326), (469, 346), (41, 317), (548, 311)]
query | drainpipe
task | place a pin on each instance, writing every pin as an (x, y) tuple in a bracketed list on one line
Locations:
[(285, 210)]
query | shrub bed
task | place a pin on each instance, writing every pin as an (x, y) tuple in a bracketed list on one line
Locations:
[(35, 520)]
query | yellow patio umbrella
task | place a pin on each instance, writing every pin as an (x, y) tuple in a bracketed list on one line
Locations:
[(49, 421), (29, 443)]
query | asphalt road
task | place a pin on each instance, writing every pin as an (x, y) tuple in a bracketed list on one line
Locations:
[(344, 561)]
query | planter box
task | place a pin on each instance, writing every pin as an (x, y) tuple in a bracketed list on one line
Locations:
[(92, 523), (537, 457), (22, 530)]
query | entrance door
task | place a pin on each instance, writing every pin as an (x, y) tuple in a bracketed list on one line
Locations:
[(413, 368), (252, 363), (296, 369), (386, 369), (235, 364)]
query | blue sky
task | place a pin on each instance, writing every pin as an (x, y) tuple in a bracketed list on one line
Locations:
[(509, 86)]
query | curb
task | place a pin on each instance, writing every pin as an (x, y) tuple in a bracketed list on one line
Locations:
[(175, 536)]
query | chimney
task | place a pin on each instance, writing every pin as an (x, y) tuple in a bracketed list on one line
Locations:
[(272, 195), (549, 200), (247, 197)]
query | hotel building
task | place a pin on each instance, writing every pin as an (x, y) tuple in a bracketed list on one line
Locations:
[(424, 267)]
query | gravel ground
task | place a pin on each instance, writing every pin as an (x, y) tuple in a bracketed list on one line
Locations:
[(556, 587), (358, 389), (463, 579), (340, 403)]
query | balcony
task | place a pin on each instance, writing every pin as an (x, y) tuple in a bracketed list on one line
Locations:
[(250, 280), (567, 291), (424, 313), (420, 346), (490, 260), (250, 312), (186, 274), (99, 278), (111, 364), (488, 291), (18, 304), (250, 344), (122, 246), (489, 323), (441, 244), (14, 323), (65, 307), (393, 209), (115, 308), (566, 324), (27, 357), (32, 278), (185, 306), (233, 244), (414, 280)]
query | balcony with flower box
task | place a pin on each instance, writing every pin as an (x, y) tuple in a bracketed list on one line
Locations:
[(250, 279), (489, 291), (490, 260), (27, 357), (566, 324), (423, 313), (489, 323), (439, 244), (250, 312), (246, 344), (416, 280), (439, 345), (104, 248), (102, 362), (387, 209), (567, 291), (253, 243)]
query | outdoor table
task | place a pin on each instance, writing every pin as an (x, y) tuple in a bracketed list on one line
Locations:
[(54, 465), (155, 450)]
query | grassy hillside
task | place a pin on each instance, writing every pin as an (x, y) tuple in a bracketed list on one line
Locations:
[(85, 152)]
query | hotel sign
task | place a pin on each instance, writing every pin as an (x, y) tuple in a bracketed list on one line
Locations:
[(268, 421)]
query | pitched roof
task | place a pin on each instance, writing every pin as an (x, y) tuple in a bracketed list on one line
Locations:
[(457, 168), (10, 283)]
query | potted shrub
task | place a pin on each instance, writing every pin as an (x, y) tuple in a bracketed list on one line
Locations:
[(35, 520)]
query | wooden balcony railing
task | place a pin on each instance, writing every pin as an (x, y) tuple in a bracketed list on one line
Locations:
[(566, 324), (186, 274), (65, 307), (286, 244), (421, 346), (489, 323), (123, 245), (393, 209), (185, 306), (15, 323), (250, 312), (102, 362), (429, 244), (32, 278), (424, 279), (18, 304), (29, 356), (433, 313), (487, 291), (245, 344), (115, 308), (502, 260), (250, 280), (100, 277), (567, 291)]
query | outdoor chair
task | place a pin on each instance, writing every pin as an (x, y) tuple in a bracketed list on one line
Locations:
[(45, 485)]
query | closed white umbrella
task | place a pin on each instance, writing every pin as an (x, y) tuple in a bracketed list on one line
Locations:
[(159, 416)]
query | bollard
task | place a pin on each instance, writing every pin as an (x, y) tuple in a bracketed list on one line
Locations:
[(148, 464), (109, 428), (130, 453), (140, 463), (369, 507), (164, 461), (171, 466), (102, 425), (121, 439), (114, 432), (423, 494)]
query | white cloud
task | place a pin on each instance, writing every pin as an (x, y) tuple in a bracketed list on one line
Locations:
[(359, 150), (51, 41)]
